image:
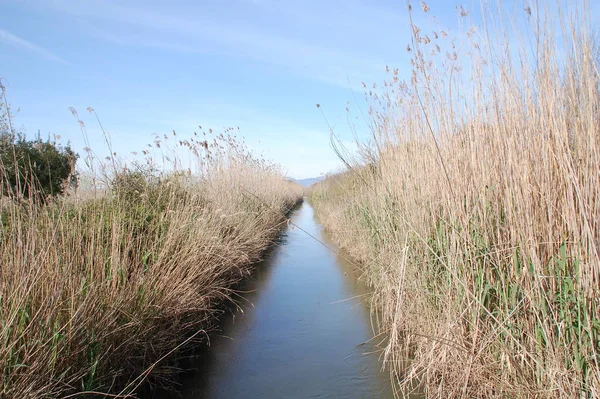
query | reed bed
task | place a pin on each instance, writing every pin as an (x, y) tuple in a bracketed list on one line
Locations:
[(101, 294), (474, 210)]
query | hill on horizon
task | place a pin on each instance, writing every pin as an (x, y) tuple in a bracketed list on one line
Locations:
[(306, 182)]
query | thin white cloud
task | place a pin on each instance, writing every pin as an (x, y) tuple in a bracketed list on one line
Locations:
[(194, 32), (18, 42)]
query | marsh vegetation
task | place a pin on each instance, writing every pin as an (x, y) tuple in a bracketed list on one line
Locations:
[(100, 291), (474, 209)]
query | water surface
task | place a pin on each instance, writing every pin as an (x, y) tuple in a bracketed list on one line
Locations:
[(304, 331)]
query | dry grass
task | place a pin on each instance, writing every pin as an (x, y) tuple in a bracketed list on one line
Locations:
[(98, 294), (477, 220)]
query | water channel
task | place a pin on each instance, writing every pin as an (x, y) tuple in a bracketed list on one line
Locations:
[(303, 331)]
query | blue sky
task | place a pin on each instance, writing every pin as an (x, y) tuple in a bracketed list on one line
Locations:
[(156, 66)]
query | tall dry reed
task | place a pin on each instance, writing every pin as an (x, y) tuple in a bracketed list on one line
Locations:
[(98, 295), (475, 211)]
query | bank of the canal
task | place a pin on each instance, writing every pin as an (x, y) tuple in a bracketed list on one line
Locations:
[(303, 331)]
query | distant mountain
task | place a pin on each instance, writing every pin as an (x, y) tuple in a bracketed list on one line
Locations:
[(306, 182)]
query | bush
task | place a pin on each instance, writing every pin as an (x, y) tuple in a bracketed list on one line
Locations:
[(35, 168)]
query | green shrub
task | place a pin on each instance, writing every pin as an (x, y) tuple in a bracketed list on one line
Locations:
[(35, 168)]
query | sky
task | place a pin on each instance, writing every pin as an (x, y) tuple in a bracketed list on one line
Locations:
[(155, 66)]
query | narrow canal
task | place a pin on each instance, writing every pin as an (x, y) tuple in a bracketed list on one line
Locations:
[(304, 331)]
